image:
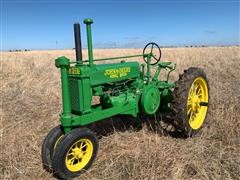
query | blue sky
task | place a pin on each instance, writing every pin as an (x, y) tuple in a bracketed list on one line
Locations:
[(29, 24)]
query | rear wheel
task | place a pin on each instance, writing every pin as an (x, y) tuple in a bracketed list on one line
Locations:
[(191, 99), (49, 145), (75, 154)]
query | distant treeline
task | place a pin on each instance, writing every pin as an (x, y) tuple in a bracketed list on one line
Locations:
[(18, 50)]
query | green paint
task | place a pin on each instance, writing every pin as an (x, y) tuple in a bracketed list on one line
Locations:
[(122, 87), (88, 22), (150, 99), (63, 64)]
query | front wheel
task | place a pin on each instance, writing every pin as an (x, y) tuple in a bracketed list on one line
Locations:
[(191, 99), (49, 145), (75, 154)]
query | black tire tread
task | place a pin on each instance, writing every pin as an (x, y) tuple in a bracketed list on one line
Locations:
[(180, 95), (48, 147)]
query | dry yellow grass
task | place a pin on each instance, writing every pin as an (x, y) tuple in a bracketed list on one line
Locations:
[(31, 102)]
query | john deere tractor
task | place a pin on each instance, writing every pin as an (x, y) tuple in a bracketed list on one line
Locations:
[(123, 88)]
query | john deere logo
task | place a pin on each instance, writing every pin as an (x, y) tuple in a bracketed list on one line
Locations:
[(117, 73)]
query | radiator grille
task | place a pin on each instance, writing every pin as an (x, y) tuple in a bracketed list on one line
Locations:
[(74, 94)]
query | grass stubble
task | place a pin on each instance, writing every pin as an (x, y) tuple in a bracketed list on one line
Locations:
[(31, 103)]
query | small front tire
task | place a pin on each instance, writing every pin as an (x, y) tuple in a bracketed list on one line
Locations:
[(49, 145), (75, 154)]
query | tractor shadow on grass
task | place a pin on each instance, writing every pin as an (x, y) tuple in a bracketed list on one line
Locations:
[(160, 124)]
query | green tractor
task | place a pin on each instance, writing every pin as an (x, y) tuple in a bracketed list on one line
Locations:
[(123, 88)]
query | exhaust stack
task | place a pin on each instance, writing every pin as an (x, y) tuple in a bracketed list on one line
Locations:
[(78, 45)]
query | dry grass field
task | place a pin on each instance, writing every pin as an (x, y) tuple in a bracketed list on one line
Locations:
[(31, 103)]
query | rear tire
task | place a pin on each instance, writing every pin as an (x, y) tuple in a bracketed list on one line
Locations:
[(191, 99)]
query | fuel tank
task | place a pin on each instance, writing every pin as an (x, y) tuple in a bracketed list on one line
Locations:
[(106, 73)]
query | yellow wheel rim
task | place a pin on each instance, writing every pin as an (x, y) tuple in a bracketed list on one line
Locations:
[(197, 103), (79, 155)]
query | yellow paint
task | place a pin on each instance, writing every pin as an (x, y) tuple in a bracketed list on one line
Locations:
[(117, 73), (74, 71), (198, 93), (79, 155)]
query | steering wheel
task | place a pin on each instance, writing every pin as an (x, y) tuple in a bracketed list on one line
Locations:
[(152, 47)]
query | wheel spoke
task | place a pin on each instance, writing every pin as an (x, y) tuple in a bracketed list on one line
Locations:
[(80, 144), (194, 87), (83, 151), (154, 57), (83, 146), (191, 90), (192, 115), (70, 161), (198, 90), (70, 154), (75, 145), (74, 149), (152, 48)]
